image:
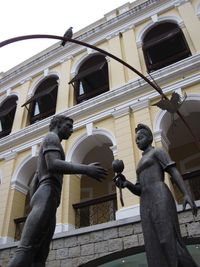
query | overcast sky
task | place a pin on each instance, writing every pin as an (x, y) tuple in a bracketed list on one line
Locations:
[(23, 17)]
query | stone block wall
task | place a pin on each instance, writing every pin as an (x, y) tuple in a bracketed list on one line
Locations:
[(81, 246)]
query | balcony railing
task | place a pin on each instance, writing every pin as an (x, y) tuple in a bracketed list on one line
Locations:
[(87, 213), (95, 211)]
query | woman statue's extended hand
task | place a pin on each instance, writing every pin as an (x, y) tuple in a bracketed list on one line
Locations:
[(120, 180), (187, 200)]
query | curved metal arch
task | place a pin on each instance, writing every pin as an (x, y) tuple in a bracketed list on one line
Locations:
[(39, 36), (152, 84)]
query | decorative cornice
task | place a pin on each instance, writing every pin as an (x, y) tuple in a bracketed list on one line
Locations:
[(140, 104), (119, 112), (10, 155), (180, 2)]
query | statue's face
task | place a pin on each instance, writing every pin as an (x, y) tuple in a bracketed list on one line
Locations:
[(142, 140), (66, 129)]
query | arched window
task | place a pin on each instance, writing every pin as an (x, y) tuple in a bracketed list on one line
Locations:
[(164, 44), (7, 114), (92, 78), (43, 103)]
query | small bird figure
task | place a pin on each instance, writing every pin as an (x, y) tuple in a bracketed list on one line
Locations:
[(68, 34), (171, 105)]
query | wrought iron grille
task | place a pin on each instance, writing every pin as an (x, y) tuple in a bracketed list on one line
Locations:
[(95, 211)]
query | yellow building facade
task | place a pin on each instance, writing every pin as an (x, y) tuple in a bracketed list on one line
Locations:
[(106, 100)]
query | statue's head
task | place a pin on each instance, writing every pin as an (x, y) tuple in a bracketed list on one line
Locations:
[(57, 120), (62, 125), (144, 136)]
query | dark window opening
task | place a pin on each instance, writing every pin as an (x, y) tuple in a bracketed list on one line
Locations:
[(7, 114), (163, 45), (92, 79), (43, 103)]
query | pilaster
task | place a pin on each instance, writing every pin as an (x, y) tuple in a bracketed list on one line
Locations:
[(70, 195), (116, 69), (191, 22), (162, 142), (141, 114), (63, 97), (130, 51), (125, 152), (21, 113)]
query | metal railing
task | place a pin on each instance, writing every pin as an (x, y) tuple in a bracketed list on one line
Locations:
[(95, 211), (87, 213)]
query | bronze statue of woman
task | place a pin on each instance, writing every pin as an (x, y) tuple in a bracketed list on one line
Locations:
[(163, 243)]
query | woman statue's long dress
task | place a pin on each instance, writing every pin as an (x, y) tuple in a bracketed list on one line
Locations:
[(163, 243)]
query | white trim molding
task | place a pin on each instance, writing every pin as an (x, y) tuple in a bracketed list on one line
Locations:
[(77, 64), (152, 23), (46, 73), (198, 10), (117, 113), (84, 140), (6, 240), (96, 109), (128, 212), (61, 227)]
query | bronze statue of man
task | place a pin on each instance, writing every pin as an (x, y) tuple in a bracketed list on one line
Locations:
[(39, 227), (163, 243)]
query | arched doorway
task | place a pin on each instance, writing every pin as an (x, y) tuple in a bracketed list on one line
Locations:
[(181, 145), (97, 200), (21, 183)]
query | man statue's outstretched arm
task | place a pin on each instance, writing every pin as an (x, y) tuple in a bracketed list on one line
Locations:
[(56, 165)]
